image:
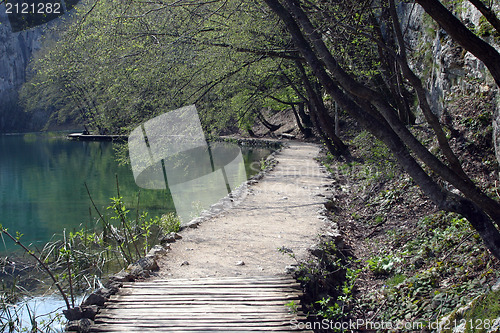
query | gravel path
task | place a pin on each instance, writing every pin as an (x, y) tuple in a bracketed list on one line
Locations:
[(282, 210)]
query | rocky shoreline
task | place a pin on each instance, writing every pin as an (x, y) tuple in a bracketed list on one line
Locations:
[(81, 317)]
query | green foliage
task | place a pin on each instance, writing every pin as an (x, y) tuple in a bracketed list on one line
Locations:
[(170, 223), (119, 64), (484, 313), (134, 237), (13, 319), (477, 122), (485, 29), (84, 257), (382, 265), (332, 272), (329, 309), (292, 306), (430, 275), (336, 308)]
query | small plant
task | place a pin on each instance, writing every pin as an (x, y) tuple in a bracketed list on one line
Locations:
[(40, 261), (329, 309), (170, 223), (378, 220), (292, 306), (263, 164), (78, 262), (382, 265)]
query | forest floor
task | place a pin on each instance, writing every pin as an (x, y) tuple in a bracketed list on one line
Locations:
[(400, 260)]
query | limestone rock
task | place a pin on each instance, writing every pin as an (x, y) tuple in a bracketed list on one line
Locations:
[(16, 50), (90, 311), (73, 314), (157, 251), (170, 238), (83, 325), (95, 299), (316, 251), (144, 264), (122, 276)]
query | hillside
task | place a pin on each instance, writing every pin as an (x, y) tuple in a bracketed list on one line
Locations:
[(399, 259)]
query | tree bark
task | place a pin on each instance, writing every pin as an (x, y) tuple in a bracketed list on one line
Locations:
[(306, 132), (488, 13), (324, 120), (415, 81), (463, 36), (443, 199), (349, 84), (267, 124)]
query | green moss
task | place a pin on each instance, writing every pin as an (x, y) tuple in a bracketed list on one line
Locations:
[(430, 26), (485, 29), (484, 312)]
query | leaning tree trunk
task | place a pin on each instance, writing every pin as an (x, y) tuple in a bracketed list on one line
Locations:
[(463, 36), (360, 91), (393, 136), (267, 124)]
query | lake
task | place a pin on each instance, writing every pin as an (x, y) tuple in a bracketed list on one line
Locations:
[(42, 185)]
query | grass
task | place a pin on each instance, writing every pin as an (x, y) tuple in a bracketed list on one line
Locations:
[(484, 313)]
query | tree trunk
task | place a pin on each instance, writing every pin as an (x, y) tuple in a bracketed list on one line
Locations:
[(488, 13), (360, 91), (463, 36), (267, 124), (306, 132), (443, 199), (416, 83), (323, 119), (306, 119)]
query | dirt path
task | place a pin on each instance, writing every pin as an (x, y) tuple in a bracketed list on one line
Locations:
[(281, 211)]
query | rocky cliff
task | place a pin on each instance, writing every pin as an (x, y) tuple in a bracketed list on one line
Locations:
[(448, 70), (16, 49)]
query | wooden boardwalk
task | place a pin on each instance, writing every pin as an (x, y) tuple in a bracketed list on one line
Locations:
[(229, 304)]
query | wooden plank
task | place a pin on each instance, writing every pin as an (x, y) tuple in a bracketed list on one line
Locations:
[(213, 321), (233, 304), (216, 282), (211, 285), (167, 303), (185, 291), (268, 313), (222, 280), (233, 278), (220, 326), (195, 304), (122, 329), (205, 295), (171, 323), (198, 314), (203, 300), (109, 318)]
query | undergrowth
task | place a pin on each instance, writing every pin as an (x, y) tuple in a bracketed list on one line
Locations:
[(409, 265), (77, 263)]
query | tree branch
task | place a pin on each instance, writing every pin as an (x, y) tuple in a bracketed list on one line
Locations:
[(463, 36), (488, 13)]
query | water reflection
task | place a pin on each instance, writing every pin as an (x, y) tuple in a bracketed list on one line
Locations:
[(42, 181), (170, 152)]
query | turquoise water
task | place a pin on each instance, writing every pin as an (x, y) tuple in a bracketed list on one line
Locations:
[(42, 189)]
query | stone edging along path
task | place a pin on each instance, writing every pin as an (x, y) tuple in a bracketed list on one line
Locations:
[(280, 211), (249, 233)]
